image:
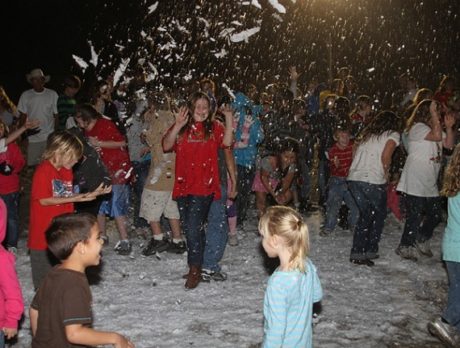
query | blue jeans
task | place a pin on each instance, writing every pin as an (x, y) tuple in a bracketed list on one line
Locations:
[(452, 312), (323, 177), (423, 214), (2, 339), (193, 213), (141, 171), (337, 193), (216, 233), (12, 232), (371, 200), (245, 178)]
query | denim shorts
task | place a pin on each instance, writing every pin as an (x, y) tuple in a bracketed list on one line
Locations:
[(118, 204)]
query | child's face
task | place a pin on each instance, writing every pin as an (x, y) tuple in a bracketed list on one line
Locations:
[(80, 122), (201, 111), (72, 91), (67, 160), (343, 138), (288, 158), (367, 109), (93, 247)]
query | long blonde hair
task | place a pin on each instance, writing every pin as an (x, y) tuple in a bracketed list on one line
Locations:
[(451, 183), (288, 224)]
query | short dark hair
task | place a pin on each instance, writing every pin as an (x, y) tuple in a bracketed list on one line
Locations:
[(71, 81), (66, 231), (87, 112)]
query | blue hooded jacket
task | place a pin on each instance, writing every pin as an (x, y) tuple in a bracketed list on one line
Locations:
[(247, 156)]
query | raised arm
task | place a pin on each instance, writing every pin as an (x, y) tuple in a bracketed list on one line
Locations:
[(17, 133), (449, 141), (228, 134), (435, 133), (170, 137), (293, 76)]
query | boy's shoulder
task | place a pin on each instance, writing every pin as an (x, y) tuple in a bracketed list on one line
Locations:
[(64, 275), (61, 282)]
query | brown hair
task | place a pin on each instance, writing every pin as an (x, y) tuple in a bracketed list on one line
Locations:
[(66, 231)]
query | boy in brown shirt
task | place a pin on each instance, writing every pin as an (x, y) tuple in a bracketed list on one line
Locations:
[(60, 313)]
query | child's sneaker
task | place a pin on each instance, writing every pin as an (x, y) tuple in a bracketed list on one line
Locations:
[(446, 333), (208, 275), (233, 240), (155, 246), (409, 253), (177, 248), (123, 247), (13, 250), (325, 232), (424, 248)]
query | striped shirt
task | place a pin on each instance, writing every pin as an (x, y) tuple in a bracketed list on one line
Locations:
[(288, 308), (344, 157)]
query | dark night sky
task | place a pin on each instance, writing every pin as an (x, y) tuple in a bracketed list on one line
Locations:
[(364, 34)]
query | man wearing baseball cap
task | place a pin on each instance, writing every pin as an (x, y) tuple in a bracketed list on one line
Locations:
[(38, 103)]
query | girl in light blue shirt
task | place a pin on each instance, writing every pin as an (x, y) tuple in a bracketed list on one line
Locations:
[(294, 286), (447, 327)]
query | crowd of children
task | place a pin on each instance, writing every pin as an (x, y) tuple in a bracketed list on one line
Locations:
[(196, 162)]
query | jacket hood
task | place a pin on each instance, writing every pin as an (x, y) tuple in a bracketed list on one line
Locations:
[(3, 220), (241, 100)]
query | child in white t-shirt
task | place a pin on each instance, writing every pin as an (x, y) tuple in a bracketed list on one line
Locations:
[(419, 178), (367, 182)]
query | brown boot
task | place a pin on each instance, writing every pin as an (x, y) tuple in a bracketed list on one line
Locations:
[(193, 277)]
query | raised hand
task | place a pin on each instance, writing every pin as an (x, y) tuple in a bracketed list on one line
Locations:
[(227, 111), (248, 121), (434, 109), (31, 124), (182, 116), (293, 74), (449, 120)]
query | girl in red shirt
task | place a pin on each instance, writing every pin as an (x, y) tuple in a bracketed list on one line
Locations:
[(196, 137)]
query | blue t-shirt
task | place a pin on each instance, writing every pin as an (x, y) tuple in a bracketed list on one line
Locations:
[(451, 240), (288, 307)]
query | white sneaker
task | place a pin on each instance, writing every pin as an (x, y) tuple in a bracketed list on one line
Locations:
[(446, 333), (233, 240), (13, 250)]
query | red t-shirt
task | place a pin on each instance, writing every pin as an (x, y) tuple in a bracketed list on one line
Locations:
[(116, 160), (197, 171), (47, 182), (345, 157), (13, 157)]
